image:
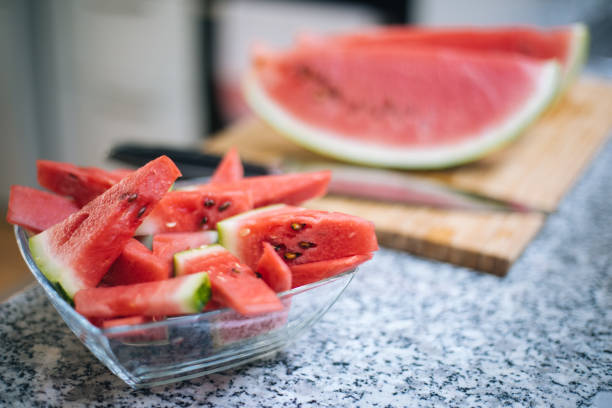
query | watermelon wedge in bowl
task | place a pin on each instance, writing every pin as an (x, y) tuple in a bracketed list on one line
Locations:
[(153, 352)]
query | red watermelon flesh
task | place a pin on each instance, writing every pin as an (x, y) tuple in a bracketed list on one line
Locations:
[(273, 270), (194, 210), (557, 43), (342, 89), (230, 169), (170, 297), (136, 264), (298, 235), (291, 188), (315, 271), (81, 183), (233, 283), (165, 245), (76, 253), (37, 210)]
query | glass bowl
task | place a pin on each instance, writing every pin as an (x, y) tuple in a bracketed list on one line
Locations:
[(185, 347)]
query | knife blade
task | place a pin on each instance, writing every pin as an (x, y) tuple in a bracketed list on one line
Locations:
[(347, 180)]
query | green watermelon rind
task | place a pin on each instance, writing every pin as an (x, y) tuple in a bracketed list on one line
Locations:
[(228, 229), (64, 278), (194, 293), (329, 144), (579, 51)]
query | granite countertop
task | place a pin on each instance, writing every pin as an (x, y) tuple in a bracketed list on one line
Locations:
[(407, 332)]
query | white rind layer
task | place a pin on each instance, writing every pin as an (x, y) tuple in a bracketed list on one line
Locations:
[(331, 144), (186, 293), (52, 267)]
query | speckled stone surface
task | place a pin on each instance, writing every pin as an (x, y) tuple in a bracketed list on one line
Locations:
[(407, 332)]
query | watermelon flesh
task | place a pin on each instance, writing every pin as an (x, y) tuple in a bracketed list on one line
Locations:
[(291, 188), (136, 264), (81, 183), (170, 297), (165, 245), (194, 210), (37, 210), (230, 169), (394, 106), (273, 270), (76, 253), (233, 283), (315, 271), (297, 234), (567, 45)]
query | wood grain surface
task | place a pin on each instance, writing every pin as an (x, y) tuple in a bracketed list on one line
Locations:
[(536, 171)]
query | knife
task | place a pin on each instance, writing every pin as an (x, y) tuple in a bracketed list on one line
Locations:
[(347, 180)]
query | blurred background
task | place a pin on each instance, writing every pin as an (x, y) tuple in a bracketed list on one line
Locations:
[(79, 76)]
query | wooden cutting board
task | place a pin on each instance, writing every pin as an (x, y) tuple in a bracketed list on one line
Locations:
[(536, 171)]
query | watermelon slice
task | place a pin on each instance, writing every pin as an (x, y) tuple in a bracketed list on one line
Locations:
[(194, 210), (37, 210), (397, 106), (297, 234), (136, 264), (291, 188), (170, 297), (233, 284), (76, 253), (315, 271), (82, 183), (230, 169), (273, 270), (568, 45), (167, 244)]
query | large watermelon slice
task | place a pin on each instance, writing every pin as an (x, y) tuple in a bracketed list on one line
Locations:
[(568, 45), (297, 234), (170, 297), (82, 183), (233, 284), (417, 107), (37, 210), (194, 210), (76, 253)]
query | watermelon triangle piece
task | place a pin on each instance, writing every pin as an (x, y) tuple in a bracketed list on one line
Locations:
[(81, 183), (290, 188), (136, 264), (76, 253), (233, 284), (230, 169), (400, 107), (37, 210), (165, 245), (273, 270), (315, 271)]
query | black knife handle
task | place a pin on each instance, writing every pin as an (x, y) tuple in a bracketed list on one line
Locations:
[(192, 163)]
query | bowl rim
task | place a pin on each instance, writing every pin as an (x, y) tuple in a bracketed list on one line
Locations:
[(22, 237)]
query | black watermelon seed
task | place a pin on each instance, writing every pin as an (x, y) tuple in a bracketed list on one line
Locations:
[(279, 247), (291, 255), (132, 197), (297, 226), (209, 202), (72, 175), (204, 220), (225, 206), (306, 245), (258, 275), (141, 211), (235, 270)]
